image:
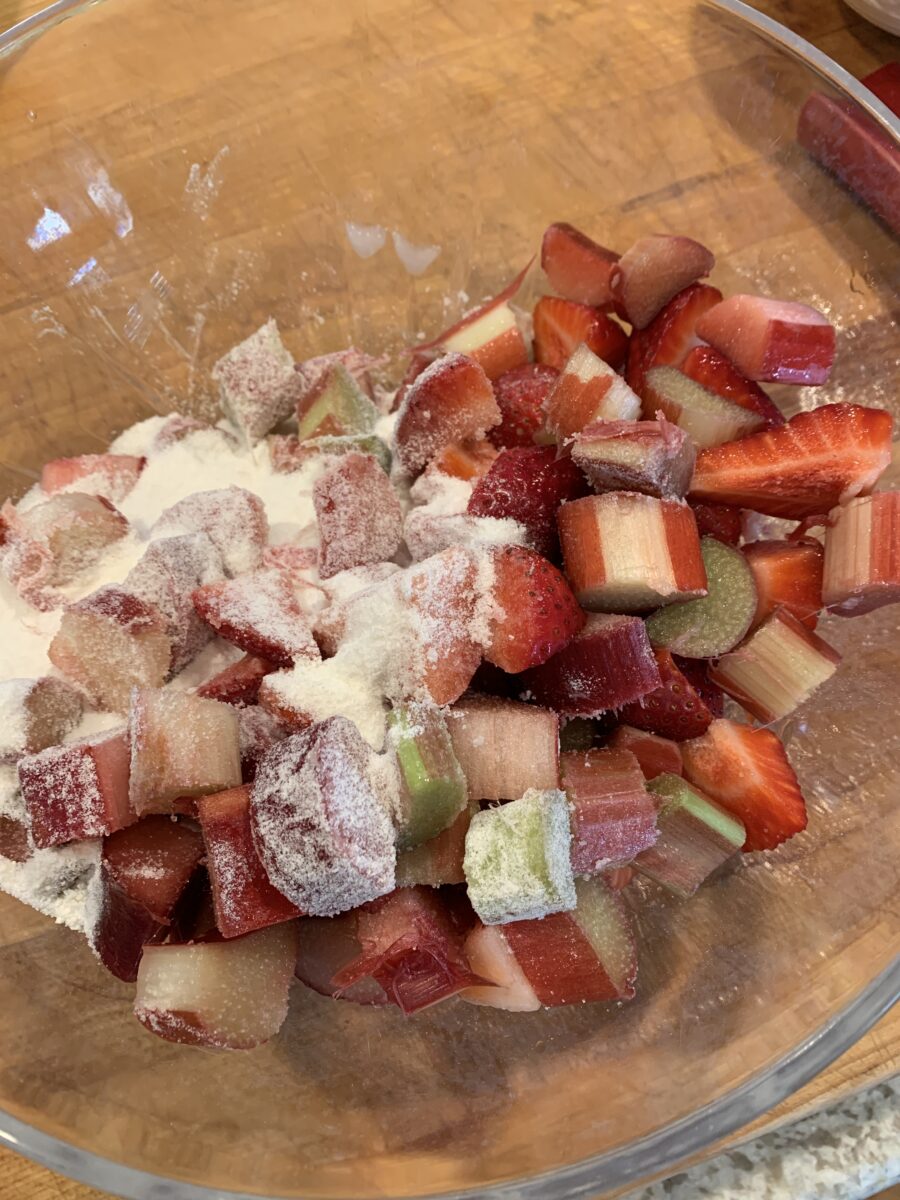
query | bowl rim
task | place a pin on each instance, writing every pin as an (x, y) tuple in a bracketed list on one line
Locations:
[(659, 1153)]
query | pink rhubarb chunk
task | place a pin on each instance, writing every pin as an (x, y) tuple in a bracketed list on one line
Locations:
[(359, 515), (774, 340)]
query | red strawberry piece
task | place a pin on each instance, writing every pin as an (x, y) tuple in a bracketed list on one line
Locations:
[(656, 755), (418, 361), (239, 683), (671, 334), (359, 515), (747, 772), (611, 813), (451, 400), (768, 339), (577, 267), (109, 475), (713, 371), (464, 460), (260, 614), (521, 397), (815, 461), (652, 271), (696, 672), (788, 574), (527, 484), (724, 522), (535, 612), (674, 710), (559, 325)]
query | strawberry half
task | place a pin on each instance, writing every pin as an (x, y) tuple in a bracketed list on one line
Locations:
[(521, 397), (671, 334), (536, 613), (577, 267), (815, 461), (721, 521), (674, 710), (714, 372), (559, 325), (788, 574)]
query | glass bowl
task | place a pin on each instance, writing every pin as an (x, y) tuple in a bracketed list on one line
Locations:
[(174, 173)]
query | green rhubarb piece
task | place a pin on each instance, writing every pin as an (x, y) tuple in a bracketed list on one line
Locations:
[(432, 784), (577, 733), (440, 861), (517, 861), (715, 623), (362, 443), (339, 406)]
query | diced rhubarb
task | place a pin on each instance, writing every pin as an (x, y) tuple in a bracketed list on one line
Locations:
[(534, 613), (671, 335), (359, 515), (439, 861), (15, 841), (747, 772), (181, 745), (606, 665), (334, 405), (77, 791), (35, 714), (789, 575), (503, 747), (559, 326), (260, 613), (243, 897), (517, 862), (343, 594), (258, 731), (490, 335), (625, 552), (653, 457), (233, 518), (576, 267), (288, 453), (721, 521), (716, 622), (588, 390), (239, 683), (327, 944), (228, 994), (522, 400), (714, 372), (709, 419), (777, 668), (257, 382), (427, 533), (611, 815), (491, 958), (109, 475), (774, 340), (675, 709), (527, 484), (656, 755), (358, 364), (468, 460), (110, 642), (654, 270), (176, 428), (696, 837), (432, 786), (321, 821), (862, 555)]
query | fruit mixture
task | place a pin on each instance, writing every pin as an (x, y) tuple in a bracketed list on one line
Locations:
[(397, 691)]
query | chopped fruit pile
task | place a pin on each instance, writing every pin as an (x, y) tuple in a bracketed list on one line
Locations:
[(418, 694)]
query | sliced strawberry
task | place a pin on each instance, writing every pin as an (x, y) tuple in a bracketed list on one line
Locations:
[(258, 612), (656, 755), (521, 396), (469, 460), (559, 325), (109, 475), (747, 772), (239, 683), (714, 372), (535, 612), (815, 461), (789, 574), (721, 521), (674, 710), (771, 339), (696, 672), (652, 271), (671, 334), (577, 267), (528, 484)]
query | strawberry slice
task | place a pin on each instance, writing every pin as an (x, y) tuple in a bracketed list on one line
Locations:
[(521, 397), (671, 334), (656, 755), (559, 325), (536, 613), (577, 267), (654, 270), (747, 772), (721, 521), (109, 475), (815, 461), (239, 683), (527, 484), (259, 613), (788, 574), (469, 460), (714, 372), (768, 339), (673, 710)]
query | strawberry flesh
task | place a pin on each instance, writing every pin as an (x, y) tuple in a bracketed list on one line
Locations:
[(577, 267), (671, 334), (674, 710), (536, 613), (788, 574), (559, 325), (721, 521), (714, 372), (521, 397)]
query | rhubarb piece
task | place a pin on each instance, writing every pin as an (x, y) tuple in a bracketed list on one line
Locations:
[(321, 824), (35, 714), (654, 270), (528, 484), (439, 861), (144, 871), (695, 837), (315, 372), (747, 772), (77, 791), (336, 406), (233, 518), (517, 861), (788, 575), (427, 533), (653, 457), (469, 460), (110, 642), (656, 755), (675, 709), (289, 454), (716, 622), (239, 683), (258, 385), (611, 815), (359, 515), (490, 335), (721, 521), (260, 613), (773, 340), (709, 419), (606, 665), (576, 267), (862, 555), (503, 747), (559, 326), (714, 372), (327, 944), (625, 552), (181, 745), (671, 335), (522, 399), (15, 841), (534, 613), (451, 400), (491, 958), (232, 995), (109, 475), (432, 786), (177, 428), (777, 668), (588, 390), (618, 878), (815, 461), (258, 731), (243, 897)]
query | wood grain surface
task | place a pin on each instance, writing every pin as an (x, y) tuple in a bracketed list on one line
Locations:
[(860, 48)]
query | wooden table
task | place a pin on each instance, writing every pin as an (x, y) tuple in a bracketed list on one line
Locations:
[(860, 48)]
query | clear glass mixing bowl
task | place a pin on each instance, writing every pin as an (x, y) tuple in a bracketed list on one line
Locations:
[(173, 173)]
